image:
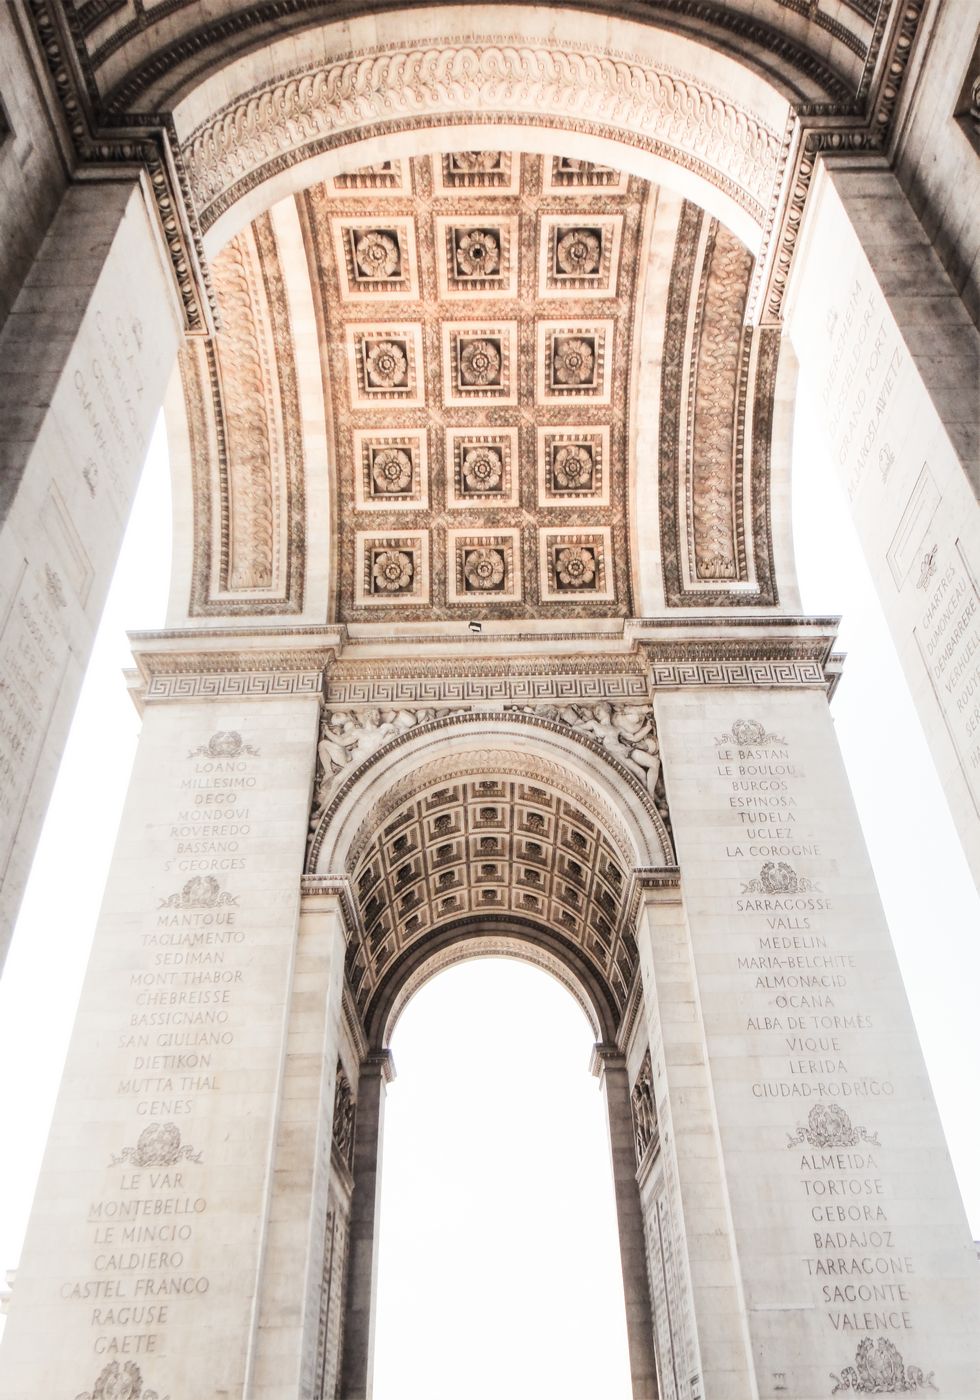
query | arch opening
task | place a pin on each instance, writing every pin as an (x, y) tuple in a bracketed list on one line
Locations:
[(493, 1120), (504, 829)]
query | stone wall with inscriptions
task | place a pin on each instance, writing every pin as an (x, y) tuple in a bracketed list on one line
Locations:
[(147, 1232), (852, 1245), (890, 357), (73, 448)]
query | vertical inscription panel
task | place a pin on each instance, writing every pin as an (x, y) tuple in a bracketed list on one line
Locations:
[(144, 1248), (902, 456), (853, 1247), (72, 451)]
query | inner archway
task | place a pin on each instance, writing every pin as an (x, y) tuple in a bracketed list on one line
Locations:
[(494, 1141)]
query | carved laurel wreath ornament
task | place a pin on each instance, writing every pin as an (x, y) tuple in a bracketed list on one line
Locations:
[(120, 1381)]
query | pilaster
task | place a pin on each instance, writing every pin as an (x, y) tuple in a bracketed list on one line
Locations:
[(845, 1226), (357, 1375), (609, 1064), (304, 1249), (159, 1224), (698, 1306)]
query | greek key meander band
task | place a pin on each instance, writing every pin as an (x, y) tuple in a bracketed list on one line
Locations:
[(464, 689), (476, 690), (241, 685)]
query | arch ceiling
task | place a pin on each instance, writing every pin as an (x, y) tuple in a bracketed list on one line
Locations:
[(217, 99), (466, 339), (483, 834), (518, 826), (490, 846)]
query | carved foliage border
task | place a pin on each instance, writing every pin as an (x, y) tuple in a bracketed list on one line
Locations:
[(742, 25), (232, 431), (709, 476), (297, 117)]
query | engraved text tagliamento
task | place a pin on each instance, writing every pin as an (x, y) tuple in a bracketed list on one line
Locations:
[(183, 1014)]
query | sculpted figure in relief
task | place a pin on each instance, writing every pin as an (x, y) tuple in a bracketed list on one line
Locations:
[(625, 731), (348, 738)]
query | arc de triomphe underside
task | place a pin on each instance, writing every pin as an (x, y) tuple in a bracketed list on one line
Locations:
[(479, 332)]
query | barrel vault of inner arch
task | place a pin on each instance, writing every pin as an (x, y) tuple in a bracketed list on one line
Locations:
[(501, 847), (457, 836)]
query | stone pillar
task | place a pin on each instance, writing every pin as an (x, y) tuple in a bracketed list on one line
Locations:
[(889, 355), (609, 1064), (157, 1235), (842, 1214), (357, 1372), (84, 357), (703, 1345), (299, 1264)]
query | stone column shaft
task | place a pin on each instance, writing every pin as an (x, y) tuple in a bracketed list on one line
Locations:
[(357, 1372), (845, 1224), (157, 1233), (611, 1068), (84, 357), (891, 360)]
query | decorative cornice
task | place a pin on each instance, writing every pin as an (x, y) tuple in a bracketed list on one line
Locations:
[(181, 663), (382, 1061), (510, 684), (151, 146), (863, 127), (768, 673), (340, 886), (765, 661), (605, 1056), (168, 674), (238, 685), (686, 16), (667, 877)]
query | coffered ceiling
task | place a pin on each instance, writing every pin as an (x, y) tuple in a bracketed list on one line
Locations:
[(464, 385), (499, 848), (477, 312)]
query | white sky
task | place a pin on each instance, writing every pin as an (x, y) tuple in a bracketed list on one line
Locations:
[(499, 1260)]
